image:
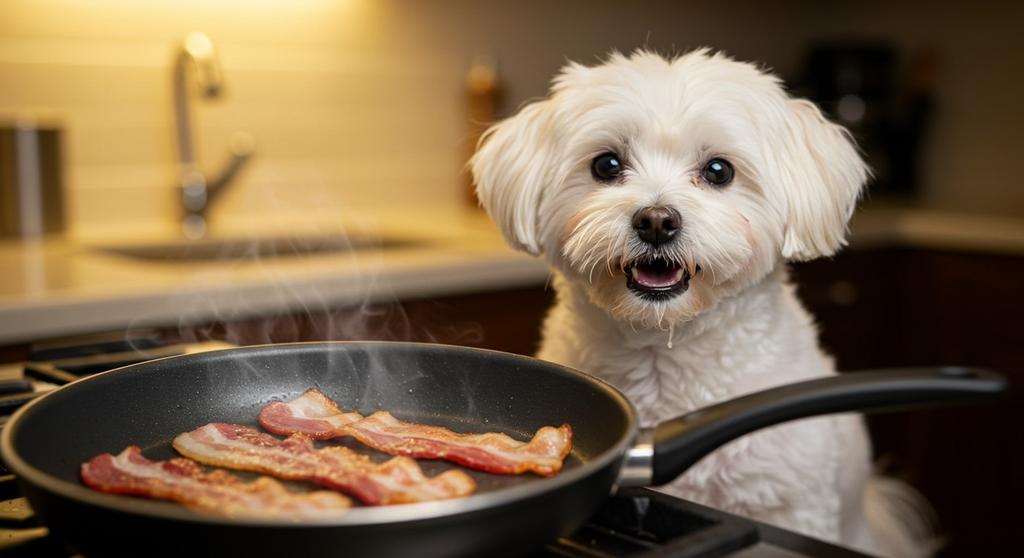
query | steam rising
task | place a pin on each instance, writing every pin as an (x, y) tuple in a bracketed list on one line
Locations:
[(263, 298)]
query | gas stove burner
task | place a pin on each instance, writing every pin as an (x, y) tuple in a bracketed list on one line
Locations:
[(54, 363), (642, 522)]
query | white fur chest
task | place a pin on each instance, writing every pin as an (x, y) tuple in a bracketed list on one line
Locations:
[(661, 382), (755, 340)]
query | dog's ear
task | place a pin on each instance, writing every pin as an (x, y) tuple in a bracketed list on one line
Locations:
[(823, 175), (511, 168)]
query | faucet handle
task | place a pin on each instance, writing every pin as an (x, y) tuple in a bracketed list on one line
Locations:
[(241, 146)]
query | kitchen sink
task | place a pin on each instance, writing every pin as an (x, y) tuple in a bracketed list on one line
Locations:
[(212, 249)]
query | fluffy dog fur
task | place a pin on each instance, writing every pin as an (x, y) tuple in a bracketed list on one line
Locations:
[(738, 327)]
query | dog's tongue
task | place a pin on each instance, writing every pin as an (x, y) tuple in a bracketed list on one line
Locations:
[(657, 275)]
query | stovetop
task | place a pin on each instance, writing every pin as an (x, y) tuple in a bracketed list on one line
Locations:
[(634, 523), (638, 523)]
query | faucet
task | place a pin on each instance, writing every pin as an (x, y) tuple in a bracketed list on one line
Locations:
[(197, 192)]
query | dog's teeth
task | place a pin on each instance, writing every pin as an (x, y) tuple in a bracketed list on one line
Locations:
[(679, 274)]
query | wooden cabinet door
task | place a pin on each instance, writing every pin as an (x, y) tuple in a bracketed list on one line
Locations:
[(904, 307)]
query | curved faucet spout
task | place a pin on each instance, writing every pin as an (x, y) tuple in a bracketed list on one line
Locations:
[(198, 49), (197, 192)]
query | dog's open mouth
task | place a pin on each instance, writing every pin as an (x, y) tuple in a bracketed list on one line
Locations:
[(657, 278)]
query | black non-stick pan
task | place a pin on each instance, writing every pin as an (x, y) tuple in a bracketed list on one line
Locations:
[(464, 389)]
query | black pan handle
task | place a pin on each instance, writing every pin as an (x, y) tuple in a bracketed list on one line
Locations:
[(681, 442)]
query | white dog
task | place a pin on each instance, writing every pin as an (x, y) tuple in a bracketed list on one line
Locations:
[(667, 196)]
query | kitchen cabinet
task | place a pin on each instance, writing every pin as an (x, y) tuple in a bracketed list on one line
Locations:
[(503, 320), (907, 307)]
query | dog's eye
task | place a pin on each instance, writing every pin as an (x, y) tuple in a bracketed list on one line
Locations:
[(606, 167), (718, 172)]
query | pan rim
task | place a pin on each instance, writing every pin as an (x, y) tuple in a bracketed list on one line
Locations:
[(357, 516)]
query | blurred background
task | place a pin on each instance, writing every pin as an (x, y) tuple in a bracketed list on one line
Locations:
[(194, 187), (388, 76)]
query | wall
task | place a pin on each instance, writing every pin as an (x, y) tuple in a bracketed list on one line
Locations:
[(341, 116), (359, 103), (975, 144)]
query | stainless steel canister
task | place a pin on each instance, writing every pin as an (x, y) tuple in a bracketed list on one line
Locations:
[(31, 178)]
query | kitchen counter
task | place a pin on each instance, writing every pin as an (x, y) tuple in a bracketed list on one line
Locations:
[(879, 224), (63, 286)]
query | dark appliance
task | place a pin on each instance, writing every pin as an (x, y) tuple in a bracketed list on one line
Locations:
[(884, 97)]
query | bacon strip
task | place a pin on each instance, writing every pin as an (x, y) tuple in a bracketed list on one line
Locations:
[(184, 481), (317, 416), (399, 480)]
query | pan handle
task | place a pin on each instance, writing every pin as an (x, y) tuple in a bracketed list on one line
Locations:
[(681, 442)]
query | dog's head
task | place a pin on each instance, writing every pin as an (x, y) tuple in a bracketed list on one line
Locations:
[(664, 185)]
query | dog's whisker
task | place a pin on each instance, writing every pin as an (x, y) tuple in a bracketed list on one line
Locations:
[(588, 256), (659, 309), (607, 264), (595, 264)]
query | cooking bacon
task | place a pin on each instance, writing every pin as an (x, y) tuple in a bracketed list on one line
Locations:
[(399, 480), (317, 416), (184, 481)]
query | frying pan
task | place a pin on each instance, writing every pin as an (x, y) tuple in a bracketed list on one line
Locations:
[(461, 388)]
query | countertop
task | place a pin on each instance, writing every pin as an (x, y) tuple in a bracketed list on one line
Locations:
[(881, 224), (63, 286)]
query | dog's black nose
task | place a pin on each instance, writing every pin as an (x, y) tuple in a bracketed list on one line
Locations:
[(656, 225)]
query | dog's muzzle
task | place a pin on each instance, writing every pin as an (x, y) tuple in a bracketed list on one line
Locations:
[(656, 277)]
